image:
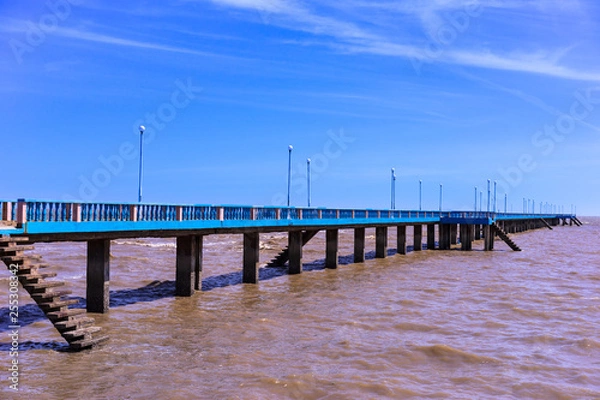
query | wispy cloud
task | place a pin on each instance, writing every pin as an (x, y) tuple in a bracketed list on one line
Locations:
[(350, 37)]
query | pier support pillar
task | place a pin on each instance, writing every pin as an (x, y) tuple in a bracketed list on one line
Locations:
[(199, 245), (359, 245), (98, 276), (453, 234), (477, 232), (430, 237), (251, 257), (465, 237), (401, 239), (295, 251), (488, 238), (418, 238), (381, 239), (444, 237), (185, 274), (331, 251)]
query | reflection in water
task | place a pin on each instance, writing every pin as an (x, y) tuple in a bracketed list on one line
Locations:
[(430, 324)]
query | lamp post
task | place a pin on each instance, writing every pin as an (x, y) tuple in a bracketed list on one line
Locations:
[(393, 194), (420, 195), (142, 129), (308, 179), (441, 196), (480, 200), (505, 203), (290, 148), (488, 196), (495, 198), (475, 209)]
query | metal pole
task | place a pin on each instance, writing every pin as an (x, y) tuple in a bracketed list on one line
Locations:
[(475, 198), (441, 196), (495, 198), (290, 148), (480, 201), (488, 197), (505, 203), (142, 129), (393, 194), (308, 179), (420, 195)]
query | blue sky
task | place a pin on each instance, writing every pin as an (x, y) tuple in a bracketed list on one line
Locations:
[(445, 91)]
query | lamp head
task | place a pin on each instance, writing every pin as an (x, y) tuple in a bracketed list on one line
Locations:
[(142, 128)]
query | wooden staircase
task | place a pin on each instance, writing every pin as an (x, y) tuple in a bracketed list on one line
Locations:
[(504, 236), (546, 223), (284, 255), (72, 324)]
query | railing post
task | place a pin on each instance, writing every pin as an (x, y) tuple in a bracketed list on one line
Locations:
[(7, 211), (299, 213), (21, 211), (178, 213), (352, 214), (253, 213), (76, 212), (221, 213), (278, 213), (320, 214), (337, 214), (133, 213)]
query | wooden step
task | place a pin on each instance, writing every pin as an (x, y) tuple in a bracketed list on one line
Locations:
[(80, 333), (56, 305), (60, 315), (30, 268), (87, 343), (20, 258), (13, 249), (36, 277), (49, 294), (7, 240), (42, 285), (77, 322)]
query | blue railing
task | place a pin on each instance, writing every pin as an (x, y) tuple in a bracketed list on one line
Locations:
[(53, 211)]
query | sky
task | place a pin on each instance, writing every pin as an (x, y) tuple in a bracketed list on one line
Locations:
[(446, 92)]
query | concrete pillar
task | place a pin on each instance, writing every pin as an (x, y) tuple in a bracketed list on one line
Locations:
[(251, 257), (359, 245), (488, 238), (444, 236), (430, 237), (381, 239), (466, 239), (295, 252), (199, 259), (185, 267), (453, 234), (477, 232), (401, 240), (331, 251), (98, 275), (418, 238)]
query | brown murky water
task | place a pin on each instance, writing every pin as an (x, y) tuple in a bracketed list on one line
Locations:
[(426, 325)]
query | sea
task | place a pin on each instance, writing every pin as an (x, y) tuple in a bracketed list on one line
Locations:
[(425, 325)]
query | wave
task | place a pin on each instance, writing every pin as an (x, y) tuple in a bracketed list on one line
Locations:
[(145, 244), (447, 354)]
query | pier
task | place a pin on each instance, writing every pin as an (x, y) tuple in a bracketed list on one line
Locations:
[(26, 222)]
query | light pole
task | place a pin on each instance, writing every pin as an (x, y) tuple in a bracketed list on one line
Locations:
[(308, 178), (142, 129), (495, 198), (480, 200), (488, 197), (505, 203), (393, 194), (475, 199), (441, 195), (290, 148), (420, 195)]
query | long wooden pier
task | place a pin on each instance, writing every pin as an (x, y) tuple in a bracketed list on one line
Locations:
[(25, 222)]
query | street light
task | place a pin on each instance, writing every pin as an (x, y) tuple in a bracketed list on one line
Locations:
[(142, 129), (290, 148), (308, 178), (441, 196), (488, 197), (505, 203), (393, 194), (495, 198), (475, 209), (420, 195)]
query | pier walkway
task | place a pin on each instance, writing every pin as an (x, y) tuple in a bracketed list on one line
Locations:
[(25, 222)]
